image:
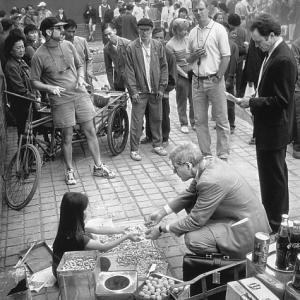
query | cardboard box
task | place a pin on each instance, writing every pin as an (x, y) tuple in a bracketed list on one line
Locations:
[(249, 289)]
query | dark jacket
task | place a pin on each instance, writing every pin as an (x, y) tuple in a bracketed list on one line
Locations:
[(172, 70), (273, 110), (90, 14), (219, 195), (135, 68), (231, 69), (116, 75), (129, 27), (296, 51)]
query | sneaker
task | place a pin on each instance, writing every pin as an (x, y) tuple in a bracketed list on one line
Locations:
[(184, 129), (165, 143), (146, 140), (70, 179), (160, 151), (103, 171), (252, 141), (135, 156)]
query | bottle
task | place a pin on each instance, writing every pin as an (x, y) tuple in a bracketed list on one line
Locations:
[(295, 243), (282, 247), (296, 276), (285, 219)]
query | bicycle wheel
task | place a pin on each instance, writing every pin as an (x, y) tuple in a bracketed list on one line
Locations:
[(22, 176), (117, 130)]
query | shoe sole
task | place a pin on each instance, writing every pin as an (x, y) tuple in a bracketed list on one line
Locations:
[(159, 153)]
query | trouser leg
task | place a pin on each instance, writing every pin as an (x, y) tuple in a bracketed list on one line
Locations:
[(200, 102), (155, 118), (165, 126), (136, 124), (147, 123), (181, 99), (191, 104), (296, 146), (273, 177)]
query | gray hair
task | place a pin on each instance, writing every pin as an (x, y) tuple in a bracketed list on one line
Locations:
[(186, 152), (179, 24)]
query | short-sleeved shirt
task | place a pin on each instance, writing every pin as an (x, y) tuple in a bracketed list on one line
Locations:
[(64, 243), (58, 66), (214, 39)]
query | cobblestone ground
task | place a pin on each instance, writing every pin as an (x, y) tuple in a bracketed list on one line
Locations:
[(139, 189)]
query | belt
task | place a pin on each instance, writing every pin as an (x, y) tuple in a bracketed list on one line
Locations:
[(205, 77)]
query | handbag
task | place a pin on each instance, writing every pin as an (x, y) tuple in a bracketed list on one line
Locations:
[(213, 285)]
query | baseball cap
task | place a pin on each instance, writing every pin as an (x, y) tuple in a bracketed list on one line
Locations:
[(145, 22), (42, 4), (50, 22)]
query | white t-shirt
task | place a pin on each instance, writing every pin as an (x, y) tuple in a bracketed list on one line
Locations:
[(214, 39)]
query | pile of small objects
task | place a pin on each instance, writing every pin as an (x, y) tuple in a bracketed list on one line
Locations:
[(158, 288), (79, 264), (141, 254)]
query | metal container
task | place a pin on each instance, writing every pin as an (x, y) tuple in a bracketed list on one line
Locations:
[(291, 293), (261, 250), (78, 283), (116, 285)]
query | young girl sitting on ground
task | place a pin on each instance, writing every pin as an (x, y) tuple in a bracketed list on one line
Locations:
[(73, 235)]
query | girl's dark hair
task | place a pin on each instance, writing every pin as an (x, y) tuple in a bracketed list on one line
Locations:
[(13, 37), (217, 15), (71, 221), (108, 25), (182, 9)]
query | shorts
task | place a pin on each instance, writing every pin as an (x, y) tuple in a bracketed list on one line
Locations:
[(80, 110)]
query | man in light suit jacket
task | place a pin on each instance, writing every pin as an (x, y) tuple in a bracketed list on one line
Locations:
[(223, 213), (147, 78), (273, 111), (115, 57)]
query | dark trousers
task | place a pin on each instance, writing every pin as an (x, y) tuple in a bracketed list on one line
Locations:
[(296, 145), (231, 109), (137, 117), (273, 177), (165, 124), (238, 83)]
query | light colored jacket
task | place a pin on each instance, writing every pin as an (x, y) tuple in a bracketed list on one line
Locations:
[(221, 195)]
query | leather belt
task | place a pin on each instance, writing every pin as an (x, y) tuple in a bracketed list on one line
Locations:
[(205, 77)]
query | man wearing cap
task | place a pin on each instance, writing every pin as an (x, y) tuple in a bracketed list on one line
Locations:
[(129, 24), (43, 12), (57, 70), (147, 78), (114, 57)]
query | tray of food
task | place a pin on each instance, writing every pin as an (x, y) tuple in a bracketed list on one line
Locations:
[(159, 287), (140, 255)]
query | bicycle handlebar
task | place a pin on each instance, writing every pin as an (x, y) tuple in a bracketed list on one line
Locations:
[(24, 97)]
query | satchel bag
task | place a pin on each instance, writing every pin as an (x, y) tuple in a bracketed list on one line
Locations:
[(216, 269)]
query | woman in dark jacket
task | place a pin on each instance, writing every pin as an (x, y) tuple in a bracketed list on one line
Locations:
[(17, 74), (90, 17)]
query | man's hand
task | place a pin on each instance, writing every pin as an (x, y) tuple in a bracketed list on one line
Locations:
[(55, 90), (134, 237), (244, 102), (154, 218), (216, 79), (198, 53), (136, 98), (159, 96), (152, 233), (81, 82)]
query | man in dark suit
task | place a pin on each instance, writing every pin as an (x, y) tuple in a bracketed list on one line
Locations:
[(129, 24), (273, 109), (115, 57), (223, 213)]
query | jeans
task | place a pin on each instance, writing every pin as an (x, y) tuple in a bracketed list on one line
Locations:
[(296, 146), (184, 93), (205, 91), (165, 125), (137, 117)]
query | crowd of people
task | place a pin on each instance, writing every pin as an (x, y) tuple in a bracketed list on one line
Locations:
[(207, 52)]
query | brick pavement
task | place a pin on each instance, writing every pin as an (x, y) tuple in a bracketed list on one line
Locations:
[(139, 188)]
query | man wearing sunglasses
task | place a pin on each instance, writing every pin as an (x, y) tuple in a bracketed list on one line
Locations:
[(57, 70), (223, 212)]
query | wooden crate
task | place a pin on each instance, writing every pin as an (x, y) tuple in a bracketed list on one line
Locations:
[(78, 284)]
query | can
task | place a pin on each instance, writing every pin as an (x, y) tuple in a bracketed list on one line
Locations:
[(261, 250)]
